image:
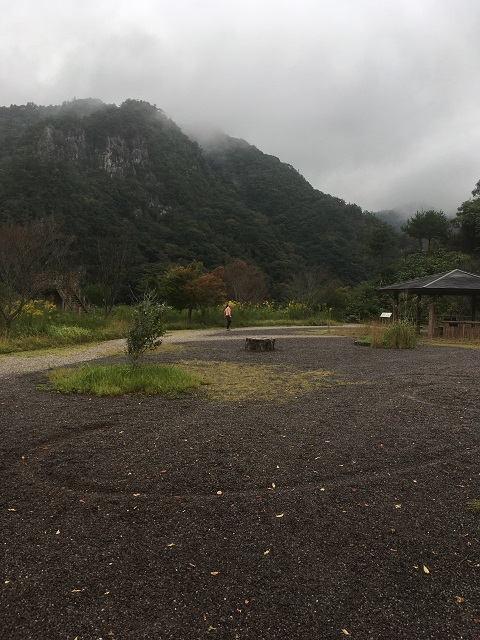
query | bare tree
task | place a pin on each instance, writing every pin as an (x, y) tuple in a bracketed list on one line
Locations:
[(244, 282), (312, 288), (30, 257), (115, 260)]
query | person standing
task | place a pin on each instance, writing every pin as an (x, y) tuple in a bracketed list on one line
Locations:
[(228, 316)]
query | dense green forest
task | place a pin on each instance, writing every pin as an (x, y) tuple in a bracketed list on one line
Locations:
[(113, 176)]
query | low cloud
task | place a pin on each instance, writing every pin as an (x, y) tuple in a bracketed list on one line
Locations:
[(373, 102)]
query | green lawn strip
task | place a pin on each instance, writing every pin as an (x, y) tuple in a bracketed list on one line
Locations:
[(118, 379)]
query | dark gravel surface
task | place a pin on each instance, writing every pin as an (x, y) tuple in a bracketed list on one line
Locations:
[(340, 513)]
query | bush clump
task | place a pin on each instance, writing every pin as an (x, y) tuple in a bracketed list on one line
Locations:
[(397, 335)]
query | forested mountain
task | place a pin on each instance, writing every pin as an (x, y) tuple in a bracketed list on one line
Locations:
[(105, 171)]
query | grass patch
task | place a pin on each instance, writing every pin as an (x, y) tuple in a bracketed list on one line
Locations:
[(395, 335), (343, 332), (119, 379), (231, 382), (364, 341), (474, 505), (440, 342)]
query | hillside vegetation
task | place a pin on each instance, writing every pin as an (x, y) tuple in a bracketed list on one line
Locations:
[(105, 172)]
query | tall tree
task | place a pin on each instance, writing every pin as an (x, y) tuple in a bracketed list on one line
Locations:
[(428, 225), (468, 219), (30, 261)]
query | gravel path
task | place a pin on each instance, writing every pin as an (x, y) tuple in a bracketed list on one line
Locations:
[(340, 511), (13, 364)]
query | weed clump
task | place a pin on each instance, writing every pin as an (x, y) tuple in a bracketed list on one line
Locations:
[(397, 335)]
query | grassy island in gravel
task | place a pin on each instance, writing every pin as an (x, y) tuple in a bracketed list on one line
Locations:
[(114, 380)]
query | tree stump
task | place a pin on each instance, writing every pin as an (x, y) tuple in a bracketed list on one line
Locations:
[(259, 344)]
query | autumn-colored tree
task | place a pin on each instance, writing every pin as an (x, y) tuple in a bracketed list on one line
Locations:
[(191, 288), (30, 261), (244, 282)]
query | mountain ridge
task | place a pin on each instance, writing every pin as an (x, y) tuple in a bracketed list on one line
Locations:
[(96, 167)]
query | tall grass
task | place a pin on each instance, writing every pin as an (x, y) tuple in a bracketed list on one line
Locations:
[(248, 315), (114, 380), (396, 335), (43, 327)]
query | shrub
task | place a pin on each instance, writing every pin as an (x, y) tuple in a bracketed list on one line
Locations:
[(147, 329)]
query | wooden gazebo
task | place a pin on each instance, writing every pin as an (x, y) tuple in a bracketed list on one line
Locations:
[(450, 283)]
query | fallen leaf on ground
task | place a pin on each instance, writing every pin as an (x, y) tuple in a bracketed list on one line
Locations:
[(459, 599), (425, 569), (214, 573), (280, 515), (265, 553), (344, 631)]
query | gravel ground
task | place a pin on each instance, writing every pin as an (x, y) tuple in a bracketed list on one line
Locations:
[(342, 512)]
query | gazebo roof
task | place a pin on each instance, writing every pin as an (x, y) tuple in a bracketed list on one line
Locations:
[(449, 283)]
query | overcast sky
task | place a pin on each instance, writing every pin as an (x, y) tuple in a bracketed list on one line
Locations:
[(374, 101)]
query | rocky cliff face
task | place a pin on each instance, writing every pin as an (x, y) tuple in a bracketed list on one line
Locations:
[(54, 145), (121, 157), (116, 156)]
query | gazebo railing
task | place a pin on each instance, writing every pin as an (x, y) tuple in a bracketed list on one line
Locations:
[(460, 329)]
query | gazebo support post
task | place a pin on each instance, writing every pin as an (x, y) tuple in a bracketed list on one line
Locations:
[(396, 295), (431, 316), (418, 319)]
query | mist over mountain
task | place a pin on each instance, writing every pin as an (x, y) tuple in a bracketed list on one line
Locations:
[(100, 169)]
